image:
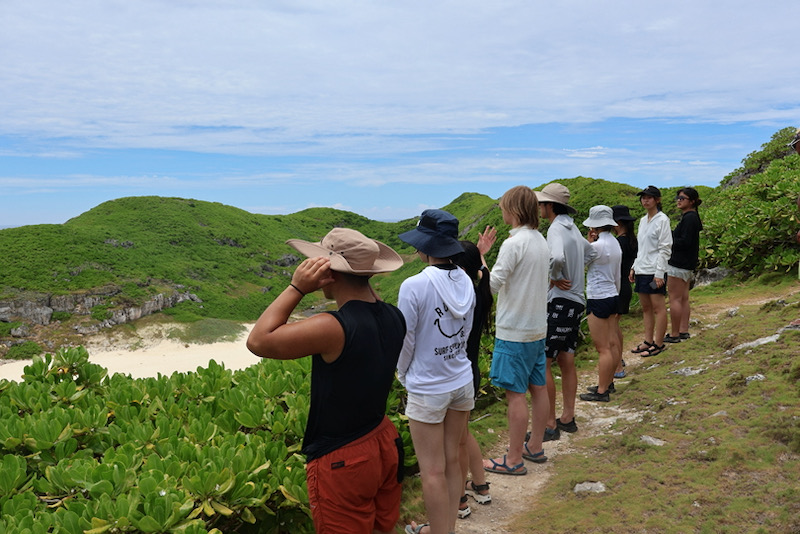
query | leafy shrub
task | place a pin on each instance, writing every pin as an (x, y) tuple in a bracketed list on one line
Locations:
[(6, 328), (60, 316), (101, 312), (24, 351), (751, 228)]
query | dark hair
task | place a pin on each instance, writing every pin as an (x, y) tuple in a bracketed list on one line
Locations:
[(471, 262), (694, 196), (560, 209), (628, 225)]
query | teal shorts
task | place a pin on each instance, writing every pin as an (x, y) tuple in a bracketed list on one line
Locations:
[(516, 365)]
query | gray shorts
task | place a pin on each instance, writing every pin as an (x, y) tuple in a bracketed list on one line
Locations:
[(677, 272), (432, 408)]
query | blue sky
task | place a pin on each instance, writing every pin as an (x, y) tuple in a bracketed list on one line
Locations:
[(381, 108)]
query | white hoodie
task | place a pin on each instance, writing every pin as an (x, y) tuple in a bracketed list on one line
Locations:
[(438, 305)]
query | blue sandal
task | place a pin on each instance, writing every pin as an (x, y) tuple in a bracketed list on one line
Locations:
[(538, 458), (504, 469)]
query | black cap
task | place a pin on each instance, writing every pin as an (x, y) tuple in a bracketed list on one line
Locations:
[(650, 191)]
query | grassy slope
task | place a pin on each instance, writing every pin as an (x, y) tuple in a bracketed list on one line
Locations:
[(731, 458)]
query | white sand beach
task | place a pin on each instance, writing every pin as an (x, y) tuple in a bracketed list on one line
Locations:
[(158, 355)]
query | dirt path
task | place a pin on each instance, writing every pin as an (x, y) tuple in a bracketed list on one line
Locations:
[(514, 495)]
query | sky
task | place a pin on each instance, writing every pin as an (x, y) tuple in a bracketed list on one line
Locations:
[(383, 108)]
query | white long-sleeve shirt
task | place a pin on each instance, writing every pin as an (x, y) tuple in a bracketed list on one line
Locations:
[(655, 245), (569, 254), (438, 305), (519, 279)]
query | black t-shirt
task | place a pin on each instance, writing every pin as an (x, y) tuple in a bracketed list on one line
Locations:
[(348, 396)]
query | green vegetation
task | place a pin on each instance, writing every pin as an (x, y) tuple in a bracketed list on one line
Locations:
[(731, 454), (236, 262), (24, 351), (211, 451), (81, 451), (751, 228)]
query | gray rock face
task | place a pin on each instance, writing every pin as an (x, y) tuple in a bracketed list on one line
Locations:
[(703, 277), (38, 309)]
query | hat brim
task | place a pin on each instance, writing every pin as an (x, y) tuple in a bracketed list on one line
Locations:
[(600, 222), (387, 260), (544, 197), (437, 246), (624, 218)]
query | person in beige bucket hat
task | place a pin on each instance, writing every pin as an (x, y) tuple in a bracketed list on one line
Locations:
[(569, 255), (354, 355), (555, 193)]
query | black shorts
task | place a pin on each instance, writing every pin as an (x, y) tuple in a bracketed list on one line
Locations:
[(643, 285), (602, 308), (563, 324)]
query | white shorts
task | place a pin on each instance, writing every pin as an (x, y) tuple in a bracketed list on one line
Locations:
[(675, 272), (432, 408)]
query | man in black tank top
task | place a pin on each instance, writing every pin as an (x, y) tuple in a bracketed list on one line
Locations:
[(354, 451)]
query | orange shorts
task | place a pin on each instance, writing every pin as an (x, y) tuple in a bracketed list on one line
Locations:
[(355, 489)]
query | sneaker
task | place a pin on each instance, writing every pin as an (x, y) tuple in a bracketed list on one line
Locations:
[(567, 427), (595, 397), (463, 508), (611, 388), (551, 434), (620, 374), (672, 339), (685, 335), (474, 491)]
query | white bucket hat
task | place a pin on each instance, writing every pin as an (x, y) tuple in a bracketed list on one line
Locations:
[(600, 216)]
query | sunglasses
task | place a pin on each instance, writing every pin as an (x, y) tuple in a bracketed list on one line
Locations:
[(681, 198)]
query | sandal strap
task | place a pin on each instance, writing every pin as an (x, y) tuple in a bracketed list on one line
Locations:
[(479, 487)]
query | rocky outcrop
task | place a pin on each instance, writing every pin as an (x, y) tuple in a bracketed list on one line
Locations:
[(38, 309)]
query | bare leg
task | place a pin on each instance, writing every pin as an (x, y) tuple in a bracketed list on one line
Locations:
[(602, 333), (648, 317), (454, 424), (475, 460), (660, 318), (678, 304), (617, 343), (687, 309), (540, 407), (551, 395), (517, 426), (569, 385), (430, 445)]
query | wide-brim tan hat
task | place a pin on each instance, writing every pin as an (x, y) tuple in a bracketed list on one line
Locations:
[(557, 194), (350, 251)]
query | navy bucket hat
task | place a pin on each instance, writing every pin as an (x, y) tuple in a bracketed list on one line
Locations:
[(436, 234)]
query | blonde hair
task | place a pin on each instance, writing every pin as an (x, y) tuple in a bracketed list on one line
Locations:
[(520, 201)]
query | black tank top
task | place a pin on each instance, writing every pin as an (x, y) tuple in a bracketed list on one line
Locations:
[(348, 396)]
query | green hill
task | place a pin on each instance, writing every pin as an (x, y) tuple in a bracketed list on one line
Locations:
[(232, 263)]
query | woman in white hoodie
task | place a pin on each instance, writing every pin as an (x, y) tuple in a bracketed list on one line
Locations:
[(438, 306)]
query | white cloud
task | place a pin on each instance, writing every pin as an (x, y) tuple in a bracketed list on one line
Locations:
[(149, 73)]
